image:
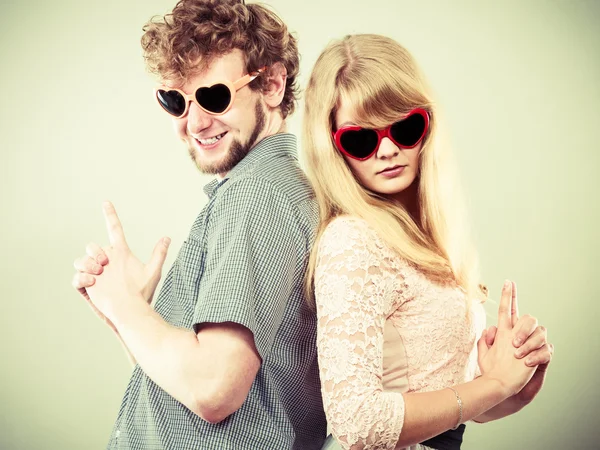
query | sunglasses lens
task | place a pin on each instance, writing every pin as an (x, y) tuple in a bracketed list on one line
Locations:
[(359, 143), (408, 132), (171, 101), (215, 98)]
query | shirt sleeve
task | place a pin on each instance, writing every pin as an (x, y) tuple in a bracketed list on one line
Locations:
[(251, 260), (354, 291)]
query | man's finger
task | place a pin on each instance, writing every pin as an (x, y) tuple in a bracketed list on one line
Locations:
[(113, 225), (504, 310), (87, 265), (96, 253), (82, 280), (514, 308)]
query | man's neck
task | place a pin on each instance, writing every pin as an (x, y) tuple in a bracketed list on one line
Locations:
[(275, 124), (282, 124)]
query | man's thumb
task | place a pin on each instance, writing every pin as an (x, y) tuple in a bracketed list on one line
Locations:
[(159, 255)]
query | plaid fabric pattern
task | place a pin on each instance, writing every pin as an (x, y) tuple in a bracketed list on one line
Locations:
[(244, 261)]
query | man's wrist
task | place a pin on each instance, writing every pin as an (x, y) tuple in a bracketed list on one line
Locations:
[(125, 312)]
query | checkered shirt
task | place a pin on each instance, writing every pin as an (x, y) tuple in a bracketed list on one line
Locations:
[(244, 261)]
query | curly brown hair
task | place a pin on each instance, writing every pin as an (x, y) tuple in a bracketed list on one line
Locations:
[(197, 31)]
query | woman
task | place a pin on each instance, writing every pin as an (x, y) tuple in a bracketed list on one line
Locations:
[(393, 272)]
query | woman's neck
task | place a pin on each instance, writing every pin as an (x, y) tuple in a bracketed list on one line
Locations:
[(409, 198)]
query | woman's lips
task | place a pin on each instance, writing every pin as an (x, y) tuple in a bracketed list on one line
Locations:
[(392, 171)]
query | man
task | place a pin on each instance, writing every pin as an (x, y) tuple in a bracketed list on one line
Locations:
[(227, 357)]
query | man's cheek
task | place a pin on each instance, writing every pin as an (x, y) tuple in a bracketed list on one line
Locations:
[(179, 126)]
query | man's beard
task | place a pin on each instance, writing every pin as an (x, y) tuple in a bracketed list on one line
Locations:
[(237, 151)]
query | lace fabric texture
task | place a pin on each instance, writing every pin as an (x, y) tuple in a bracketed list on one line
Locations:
[(360, 283)]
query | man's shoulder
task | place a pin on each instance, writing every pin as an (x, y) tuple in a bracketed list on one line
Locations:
[(281, 180), (256, 198)]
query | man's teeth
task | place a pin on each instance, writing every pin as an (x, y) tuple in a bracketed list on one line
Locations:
[(212, 140)]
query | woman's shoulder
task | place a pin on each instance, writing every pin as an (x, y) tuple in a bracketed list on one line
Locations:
[(353, 225), (346, 232), (351, 254)]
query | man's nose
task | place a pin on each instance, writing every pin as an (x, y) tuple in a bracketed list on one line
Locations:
[(198, 119)]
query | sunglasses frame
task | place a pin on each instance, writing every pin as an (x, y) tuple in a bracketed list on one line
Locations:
[(233, 88), (381, 133)]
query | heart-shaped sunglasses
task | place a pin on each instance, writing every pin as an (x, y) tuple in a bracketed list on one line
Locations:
[(361, 143), (215, 99)]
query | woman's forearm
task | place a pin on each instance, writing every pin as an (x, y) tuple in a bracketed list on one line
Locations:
[(428, 414), (509, 406)]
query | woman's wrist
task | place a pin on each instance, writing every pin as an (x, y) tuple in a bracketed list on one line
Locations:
[(497, 386)]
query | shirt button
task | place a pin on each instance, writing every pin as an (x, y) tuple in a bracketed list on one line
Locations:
[(117, 433)]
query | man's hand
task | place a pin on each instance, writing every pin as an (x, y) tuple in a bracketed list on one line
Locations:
[(125, 277), (88, 266), (127, 273)]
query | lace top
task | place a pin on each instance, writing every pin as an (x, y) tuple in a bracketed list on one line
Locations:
[(384, 329)]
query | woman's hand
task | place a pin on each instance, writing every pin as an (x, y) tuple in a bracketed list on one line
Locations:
[(498, 361), (532, 346)]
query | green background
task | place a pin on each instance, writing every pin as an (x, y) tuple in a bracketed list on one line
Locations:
[(518, 83)]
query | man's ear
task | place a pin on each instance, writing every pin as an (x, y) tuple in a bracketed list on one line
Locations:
[(275, 86)]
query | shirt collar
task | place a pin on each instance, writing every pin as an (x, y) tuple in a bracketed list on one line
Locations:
[(271, 146)]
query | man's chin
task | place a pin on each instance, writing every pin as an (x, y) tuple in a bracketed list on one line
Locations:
[(211, 168), (206, 166), (222, 160)]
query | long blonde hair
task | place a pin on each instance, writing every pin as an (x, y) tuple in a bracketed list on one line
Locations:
[(382, 82)]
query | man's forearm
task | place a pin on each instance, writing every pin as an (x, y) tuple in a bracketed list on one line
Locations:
[(168, 355), (127, 352)]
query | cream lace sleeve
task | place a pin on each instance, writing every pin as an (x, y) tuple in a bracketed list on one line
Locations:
[(354, 292)]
